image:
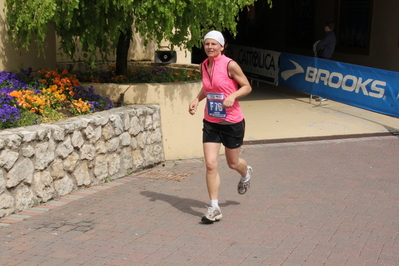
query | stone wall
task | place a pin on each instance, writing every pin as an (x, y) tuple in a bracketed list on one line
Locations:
[(46, 161), (181, 132)]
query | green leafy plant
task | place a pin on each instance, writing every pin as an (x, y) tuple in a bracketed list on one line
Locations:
[(108, 180), (141, 75), (105, 26)]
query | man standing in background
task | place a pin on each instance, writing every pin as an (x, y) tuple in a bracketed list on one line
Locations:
[(325, 48)]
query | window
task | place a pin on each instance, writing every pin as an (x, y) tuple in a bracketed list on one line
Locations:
[(354, 26), (301, 23)]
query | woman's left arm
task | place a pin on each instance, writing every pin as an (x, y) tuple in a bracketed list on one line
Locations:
[(238, 75)]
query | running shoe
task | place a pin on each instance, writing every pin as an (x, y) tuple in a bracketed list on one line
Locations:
[(213, 214), (321, 99), (243, 186)]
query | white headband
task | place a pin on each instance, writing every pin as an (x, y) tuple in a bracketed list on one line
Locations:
[(216, 35)]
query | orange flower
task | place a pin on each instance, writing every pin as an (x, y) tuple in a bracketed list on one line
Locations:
[(15, 93), (26, 105), (76, 83), (81, 106)]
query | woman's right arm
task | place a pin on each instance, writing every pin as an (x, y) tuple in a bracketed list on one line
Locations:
[(194, 104), (201, 95)]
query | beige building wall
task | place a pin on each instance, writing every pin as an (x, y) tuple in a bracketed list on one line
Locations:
[(138, 52), (12, 59)]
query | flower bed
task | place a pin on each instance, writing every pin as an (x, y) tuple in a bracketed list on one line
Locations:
[(29, 98)]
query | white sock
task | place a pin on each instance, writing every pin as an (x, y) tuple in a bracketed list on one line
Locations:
[(245, 178), (215, 203)]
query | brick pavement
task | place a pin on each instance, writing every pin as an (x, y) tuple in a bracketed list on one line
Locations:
[(331, 202)]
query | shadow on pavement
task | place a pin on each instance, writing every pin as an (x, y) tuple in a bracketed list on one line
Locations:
[(185, 205)]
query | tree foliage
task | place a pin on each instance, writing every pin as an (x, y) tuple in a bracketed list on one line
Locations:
[(96, 26)]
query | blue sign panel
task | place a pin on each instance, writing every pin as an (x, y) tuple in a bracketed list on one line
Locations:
[(364, 87)]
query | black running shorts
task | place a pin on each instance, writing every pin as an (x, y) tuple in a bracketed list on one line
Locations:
[(230, 135)]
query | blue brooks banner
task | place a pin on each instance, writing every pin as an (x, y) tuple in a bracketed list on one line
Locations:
[(369, 88)]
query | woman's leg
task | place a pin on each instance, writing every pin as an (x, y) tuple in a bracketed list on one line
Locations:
[(211, 153), (240, 165), (235, 162)]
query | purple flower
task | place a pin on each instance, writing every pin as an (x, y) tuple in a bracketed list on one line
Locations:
[(8, 116), (13, 80), (97, 102), (4, 97)]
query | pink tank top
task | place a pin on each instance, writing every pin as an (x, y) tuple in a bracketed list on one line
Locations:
[(217, 87)]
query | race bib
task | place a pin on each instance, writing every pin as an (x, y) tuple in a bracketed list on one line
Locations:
[(215, 102)]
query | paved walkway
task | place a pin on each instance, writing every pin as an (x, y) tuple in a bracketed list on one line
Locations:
[(329, 202), (325, 202), (275, 113)]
